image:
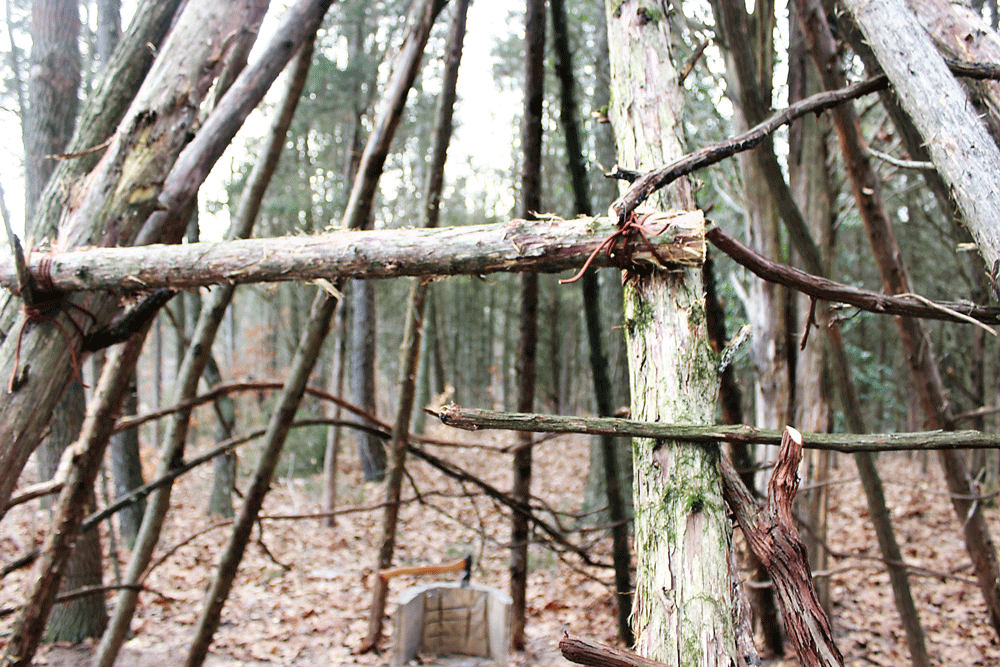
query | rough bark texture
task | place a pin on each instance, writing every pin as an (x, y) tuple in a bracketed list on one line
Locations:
[(683, 612), (959, 145), (53, 84), (772, 534), (107, 210)]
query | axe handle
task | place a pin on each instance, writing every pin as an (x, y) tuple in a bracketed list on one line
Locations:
[(455, 566)]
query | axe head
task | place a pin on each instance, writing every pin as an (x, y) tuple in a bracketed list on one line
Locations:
[(467, 572)]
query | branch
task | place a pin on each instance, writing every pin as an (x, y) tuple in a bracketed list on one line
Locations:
[(587, 652), (453, 415), (455, 472), (548, 245), (828, 290), (772, 536), (645, 184)]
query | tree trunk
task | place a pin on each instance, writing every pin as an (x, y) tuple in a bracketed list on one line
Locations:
[(811, 184), (126, 465), (683, 612), (527, 346), (53, 85), (916, 342), (274, 440), (193, 364), (84, 617), (409, 354), (88, 454), (603, 390), (109, 29), (371, 450)]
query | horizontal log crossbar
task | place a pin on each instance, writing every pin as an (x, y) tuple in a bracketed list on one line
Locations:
[(548, 246), (471, 419)]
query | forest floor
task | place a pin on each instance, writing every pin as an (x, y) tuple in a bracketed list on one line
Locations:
[(303, 591)]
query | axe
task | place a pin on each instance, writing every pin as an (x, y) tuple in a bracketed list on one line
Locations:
[(463, 565)]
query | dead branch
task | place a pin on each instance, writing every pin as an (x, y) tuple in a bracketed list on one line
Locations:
[(547, 245), (828, 290), (772, 536), (471, 419), (587, 652), (645, 184)]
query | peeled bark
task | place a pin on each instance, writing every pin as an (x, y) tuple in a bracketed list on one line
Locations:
[(684, 611), (108, 209), (603, 390)]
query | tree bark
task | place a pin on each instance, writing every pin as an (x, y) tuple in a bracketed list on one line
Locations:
[(958, 142), (603, 390), (684, 611), (192, 366), (83, 617), (53, 89), (527, 345), (126, 466)]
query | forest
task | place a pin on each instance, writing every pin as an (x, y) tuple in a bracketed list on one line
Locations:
[(668, 326)]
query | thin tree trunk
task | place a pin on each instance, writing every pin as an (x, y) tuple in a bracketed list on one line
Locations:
[(810, 180), (684, 611), (126, 465), (358, 216), (409, 356), (109, 29), (193, 365), (603, 391), (525, 368), (94, 436), (83, 617), (916, 342), (336, 387), (277, 431)]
